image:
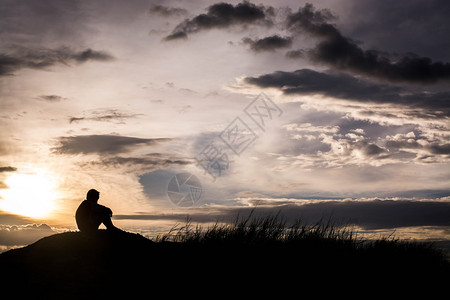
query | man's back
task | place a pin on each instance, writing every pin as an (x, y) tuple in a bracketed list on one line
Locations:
[(83, 216)]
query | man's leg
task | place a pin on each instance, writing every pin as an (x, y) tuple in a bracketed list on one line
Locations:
[(96, 220), (106, 220)]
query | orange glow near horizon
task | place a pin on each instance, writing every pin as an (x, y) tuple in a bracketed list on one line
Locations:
[(29, 194)]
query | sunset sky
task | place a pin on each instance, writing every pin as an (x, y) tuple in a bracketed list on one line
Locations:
[(339, 108)]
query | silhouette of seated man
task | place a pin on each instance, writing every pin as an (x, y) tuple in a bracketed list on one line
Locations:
[(90, 214)]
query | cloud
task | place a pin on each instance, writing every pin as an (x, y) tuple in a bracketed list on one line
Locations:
[(270, 43), (7, 169), (142, 164), (342, 53), (373, 213), (51, 98), (348, 150), (309, 19), (415, 26), (105, 115), (294, 54), (155, 182), (11, 235), (309, 128), (161, 160), (165, 11), (338, 85), (223, 15), (368, 213), (90, 54), (440, 149), (34, 22), (422, 146), (101, 144), (369, 149), (346, 87), (335, 147), (13, 219), (44, 58)]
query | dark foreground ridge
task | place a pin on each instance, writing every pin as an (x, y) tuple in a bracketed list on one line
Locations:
[(74, 265)]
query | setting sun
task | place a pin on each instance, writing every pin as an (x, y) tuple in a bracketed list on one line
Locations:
[(29, 194)]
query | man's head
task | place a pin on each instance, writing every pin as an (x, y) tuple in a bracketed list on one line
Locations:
[(93, 195)]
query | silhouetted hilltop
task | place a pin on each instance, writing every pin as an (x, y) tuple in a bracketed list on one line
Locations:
[(75, 265), (73, 262)]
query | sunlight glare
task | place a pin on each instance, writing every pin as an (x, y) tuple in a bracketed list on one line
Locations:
[(29, 194)]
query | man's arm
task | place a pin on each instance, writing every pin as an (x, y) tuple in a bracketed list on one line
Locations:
[(103, 209)]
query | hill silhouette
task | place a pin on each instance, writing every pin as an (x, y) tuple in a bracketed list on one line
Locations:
[(75, 265)]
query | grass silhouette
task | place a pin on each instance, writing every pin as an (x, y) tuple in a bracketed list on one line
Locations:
[(265, 250), (257, 230), (324, 240)]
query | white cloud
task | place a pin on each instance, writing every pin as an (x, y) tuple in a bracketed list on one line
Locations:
[(358, 130), (308, 127)]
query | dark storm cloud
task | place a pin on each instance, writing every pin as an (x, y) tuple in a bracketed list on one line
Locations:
[(51, 98), (369, 214), (165, 11), (402, 26), (45, 58), (333, 49), (338, 85), (139, 164), (342, 53), (295, 54), (101, 144), (7, 169), (105, 115), (223, 15), (90, 54), (375, 214), (440, 149), (154, 160), (155, 182), (314, 21), (269, 43), (29, 21), (306, 82)]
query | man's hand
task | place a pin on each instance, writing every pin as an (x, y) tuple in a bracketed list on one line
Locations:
[(110, 213)]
